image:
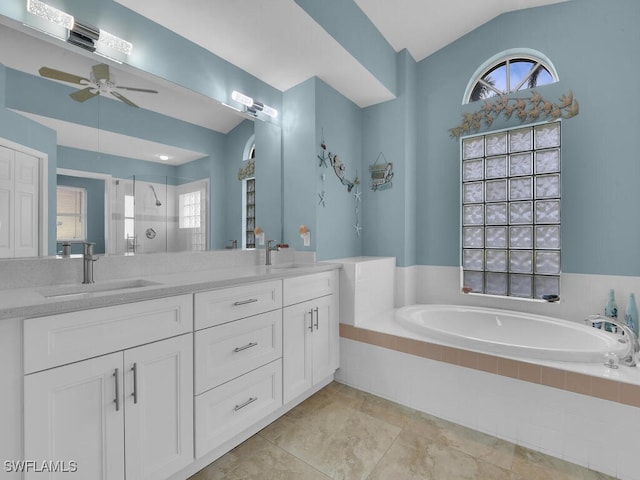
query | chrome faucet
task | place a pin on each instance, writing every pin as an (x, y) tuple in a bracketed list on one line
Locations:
[(633, 346), (271, 247), (87, 262)]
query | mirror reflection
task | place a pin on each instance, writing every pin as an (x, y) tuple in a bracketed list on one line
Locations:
[(131, 162)]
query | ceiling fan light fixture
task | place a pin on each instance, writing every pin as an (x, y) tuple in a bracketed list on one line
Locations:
[(50, 13)]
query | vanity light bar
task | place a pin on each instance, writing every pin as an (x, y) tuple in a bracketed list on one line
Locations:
[(50, 13), (80, 34), (111, 41), (251, 104)]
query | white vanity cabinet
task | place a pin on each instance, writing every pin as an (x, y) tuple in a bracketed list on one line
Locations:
[(310, 332), (125, 414), (238, 367)]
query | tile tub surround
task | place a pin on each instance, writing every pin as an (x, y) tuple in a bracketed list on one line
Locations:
[(344, 433), (584, 419)]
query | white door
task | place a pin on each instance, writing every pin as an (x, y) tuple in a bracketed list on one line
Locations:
[(159, 408), (19, 204), (75, 414), (27, 184), (6, 202), (325, 338), (296, 350)]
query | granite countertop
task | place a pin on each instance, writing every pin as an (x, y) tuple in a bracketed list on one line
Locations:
[(49, 300)]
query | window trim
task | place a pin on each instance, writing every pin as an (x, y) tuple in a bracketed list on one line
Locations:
[(508, 55)]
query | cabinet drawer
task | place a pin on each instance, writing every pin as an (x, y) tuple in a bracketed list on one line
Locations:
[(301, 289), (229, 409), (227, 351), (68, 337), (221, 306)]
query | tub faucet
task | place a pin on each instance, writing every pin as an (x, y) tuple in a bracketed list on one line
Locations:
[(271, 247), (633, 346), (87, 262)]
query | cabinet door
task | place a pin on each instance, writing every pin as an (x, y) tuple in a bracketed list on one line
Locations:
[(296, 350), (159, 408), (71, 413), (325, 337)]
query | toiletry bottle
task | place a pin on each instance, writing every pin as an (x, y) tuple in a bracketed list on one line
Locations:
[(611, 309), (631, 314)]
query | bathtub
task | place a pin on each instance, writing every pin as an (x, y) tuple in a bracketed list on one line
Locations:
[(510, 333)]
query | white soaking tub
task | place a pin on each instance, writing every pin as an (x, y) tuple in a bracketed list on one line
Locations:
[(510, 333)]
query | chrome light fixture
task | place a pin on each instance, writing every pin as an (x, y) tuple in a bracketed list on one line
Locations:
[(252, 106), (78, 33)]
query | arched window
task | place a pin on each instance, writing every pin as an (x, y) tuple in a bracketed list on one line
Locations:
[(510, 72)]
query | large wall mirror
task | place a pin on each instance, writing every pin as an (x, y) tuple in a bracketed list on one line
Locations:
[(152, 166)]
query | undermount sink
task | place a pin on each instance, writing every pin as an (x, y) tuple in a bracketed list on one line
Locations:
[(72, 290), (286, 266)]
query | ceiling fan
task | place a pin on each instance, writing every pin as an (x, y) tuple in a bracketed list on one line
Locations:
[(99, 82)]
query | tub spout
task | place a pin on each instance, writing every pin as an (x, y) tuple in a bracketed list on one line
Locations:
[(633, 346)]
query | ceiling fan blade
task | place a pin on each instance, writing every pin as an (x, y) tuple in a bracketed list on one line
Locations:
[(124, 99), (100, 72), (84, 94), (146, 90), (62, 76)]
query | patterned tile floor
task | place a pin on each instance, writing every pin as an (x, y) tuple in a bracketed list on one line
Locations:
[(343, 433)]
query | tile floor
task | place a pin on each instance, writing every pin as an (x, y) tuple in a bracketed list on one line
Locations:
[(343, 433)]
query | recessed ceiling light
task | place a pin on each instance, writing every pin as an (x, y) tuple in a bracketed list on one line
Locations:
[(163, 157)]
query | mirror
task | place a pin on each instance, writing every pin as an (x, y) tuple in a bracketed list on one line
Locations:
[(111, 150)]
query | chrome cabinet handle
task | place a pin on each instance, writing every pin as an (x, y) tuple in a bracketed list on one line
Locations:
[(316, 324), (244, 302), (311, 321), (117, 399), (134, 369), (242, 405), (248, 345)]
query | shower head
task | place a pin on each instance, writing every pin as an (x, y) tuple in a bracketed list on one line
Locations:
[(158, 202)]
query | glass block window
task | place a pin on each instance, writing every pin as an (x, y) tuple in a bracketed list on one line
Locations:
[(511, 212), (509, 74)]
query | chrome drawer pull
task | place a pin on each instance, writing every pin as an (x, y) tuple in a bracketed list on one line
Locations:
[(248, 345), (242, 405), (317, 314), (134, 369), (244, 302), (117, 399), (311, 322)]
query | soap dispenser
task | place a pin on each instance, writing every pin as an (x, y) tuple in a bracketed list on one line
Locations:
[(631, 314)]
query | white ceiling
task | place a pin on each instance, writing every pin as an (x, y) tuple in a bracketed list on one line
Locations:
[(276, 41)]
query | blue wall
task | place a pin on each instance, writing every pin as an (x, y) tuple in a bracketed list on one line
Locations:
[(390, 136), (590, 43), (299, 163), (315, 111)]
